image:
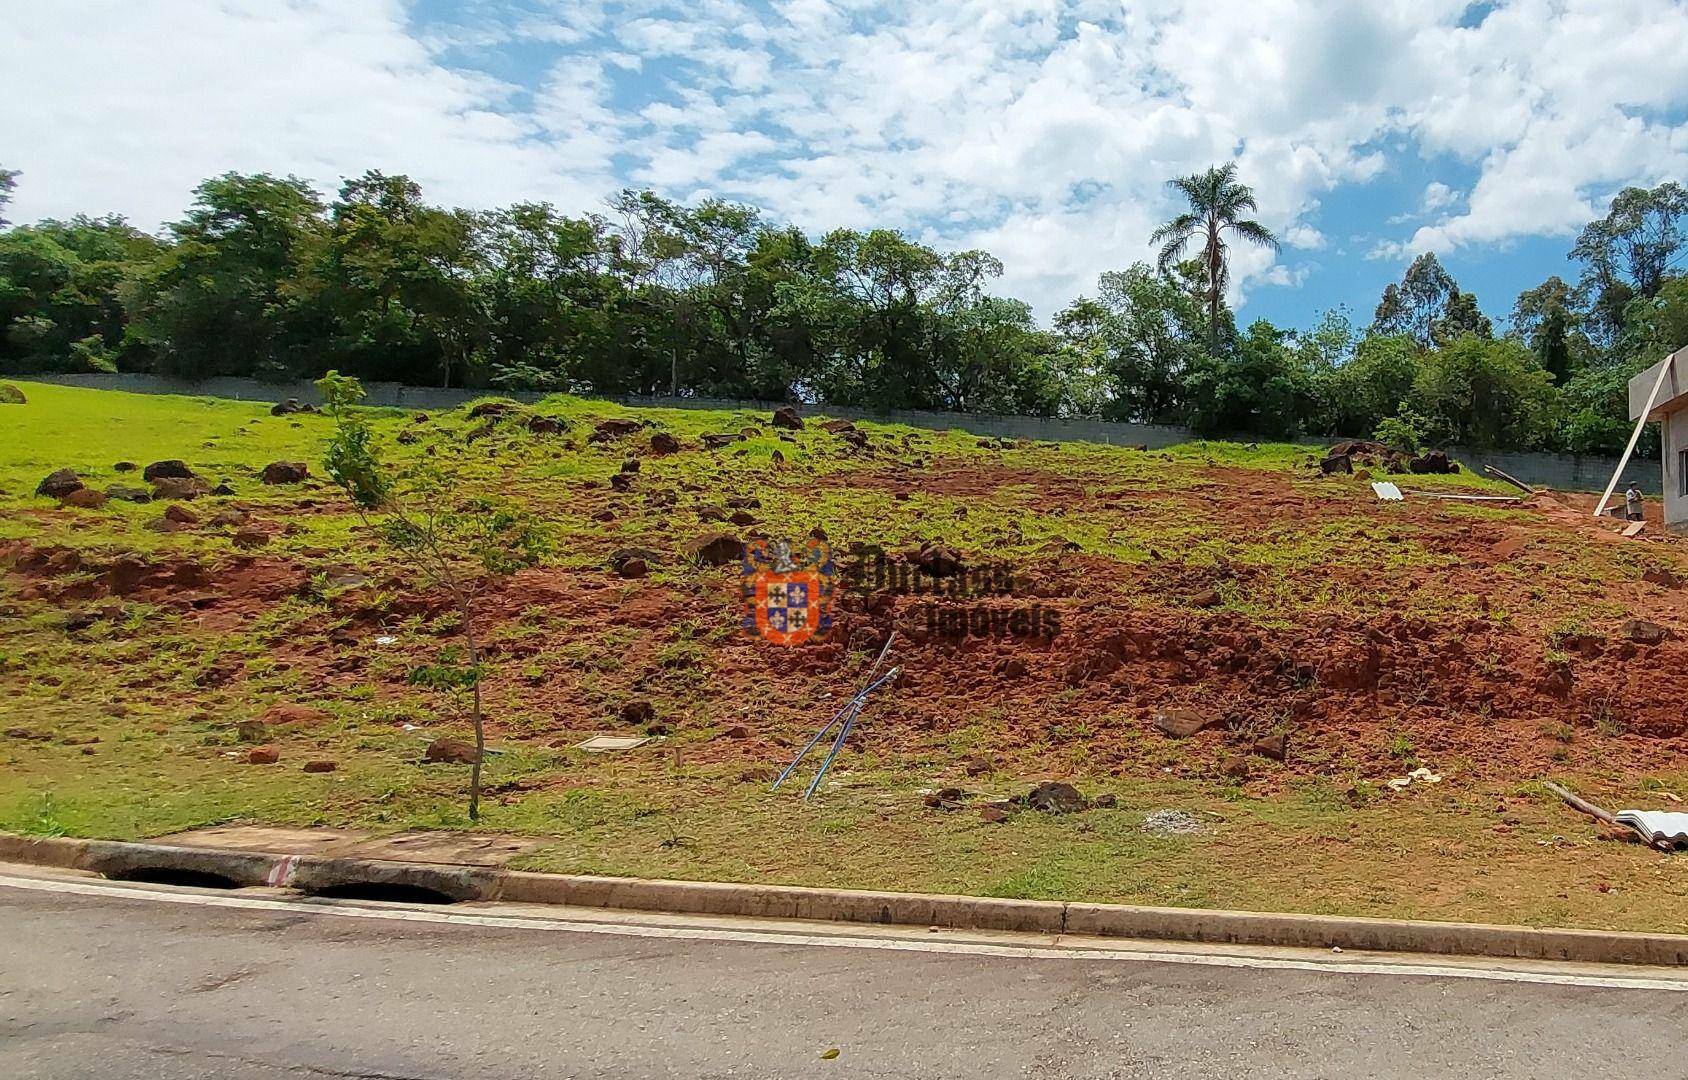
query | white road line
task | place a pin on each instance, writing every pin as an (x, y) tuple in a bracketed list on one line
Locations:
[(1144, 954)]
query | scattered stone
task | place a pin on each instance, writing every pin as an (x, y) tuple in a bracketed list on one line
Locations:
[(128, 494), (289, 712), (285, 472), (250, 537), (664, 443), (223, 488), (741, 518), (631, 465), (125, 466), (1172, 823), (610, 430), (838, 427), (1207, 598), (1055, 797), (546, 425), (993, 813), (289, 407), (1274, 746), (263, 755), (716, 549), (1556, 681), (949, 798), (321, 765), (11, 395), (638, 712), (937, 559), (980, 765), (179, 487), (174, 467), (622, 481), (737, 731), (1105, 802), (251, 731), (1183, 723), (449, 752), (180, 514), (622, 560), (1336, 463), (1234, 767), (84, 498), (1644, 632), (786, 417), (59, 483), (1662, 577), (716, 442), (656, 730), (1432, 462)]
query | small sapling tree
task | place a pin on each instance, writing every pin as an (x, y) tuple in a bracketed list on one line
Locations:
[(453, 541)]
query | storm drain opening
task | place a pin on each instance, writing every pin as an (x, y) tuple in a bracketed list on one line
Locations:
[(175, 875), (385, 892)]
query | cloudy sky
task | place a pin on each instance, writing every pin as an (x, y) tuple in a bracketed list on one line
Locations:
[(1040, 130)]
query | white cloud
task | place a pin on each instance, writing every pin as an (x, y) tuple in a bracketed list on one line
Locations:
[(1043, 130)]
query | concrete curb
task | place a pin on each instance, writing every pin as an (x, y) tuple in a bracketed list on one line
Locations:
[(315, 874)]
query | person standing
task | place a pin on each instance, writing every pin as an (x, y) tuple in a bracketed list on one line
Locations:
[(1632, 503)]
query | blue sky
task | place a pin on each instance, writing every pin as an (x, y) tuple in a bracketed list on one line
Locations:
[(1040, 130)]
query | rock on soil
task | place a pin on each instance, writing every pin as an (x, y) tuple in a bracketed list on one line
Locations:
[(11, 395), (285, 472), (1275, 747), (128, 494), (179, 487), (1056, 797), (838, 427), (449, 752), (1183, 723), (786, 417), (716, 549), (85, 499), (321, 766), (638, 712), (289, 407), (1662, 577), (288, 712), (937, 559), (249, 537), (1643, 632), (263, 755), (181, 515), (172, 467), (610, 430), (949, 798), (716, 442), (59, 483), (664, 443)]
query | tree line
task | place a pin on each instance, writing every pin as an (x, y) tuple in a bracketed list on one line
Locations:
[(264, 277)]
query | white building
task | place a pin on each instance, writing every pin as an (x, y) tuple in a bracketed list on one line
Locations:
[(1666, 384)]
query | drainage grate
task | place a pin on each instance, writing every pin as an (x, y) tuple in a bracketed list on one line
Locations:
[(173, 875)]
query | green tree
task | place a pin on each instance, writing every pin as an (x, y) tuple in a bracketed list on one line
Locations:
[(1143, 333), (1419, 306), (453, 542), (8, 184), (1627, 253), (223, 299), (1485, 393), (62, 286), (1217, 203), (1257, 388)]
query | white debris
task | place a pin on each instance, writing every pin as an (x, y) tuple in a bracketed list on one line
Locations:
[(1172, 823), (1387, 491), (1417, 776), (385, 639), (599, 744)]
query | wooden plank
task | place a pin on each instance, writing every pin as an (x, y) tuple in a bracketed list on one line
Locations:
[(1634, 528), (1635, 436)]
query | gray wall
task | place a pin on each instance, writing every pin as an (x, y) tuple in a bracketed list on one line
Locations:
[(1566, 472)]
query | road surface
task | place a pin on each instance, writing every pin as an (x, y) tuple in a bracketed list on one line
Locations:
[(121, 981)]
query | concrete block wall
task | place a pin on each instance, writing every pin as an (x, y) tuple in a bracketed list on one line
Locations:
[(1565, 472)]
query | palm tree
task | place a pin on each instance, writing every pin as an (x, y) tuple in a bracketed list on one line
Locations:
[(1217, 203)]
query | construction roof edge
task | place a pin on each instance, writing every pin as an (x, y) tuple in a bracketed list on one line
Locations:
[(1673, 395)]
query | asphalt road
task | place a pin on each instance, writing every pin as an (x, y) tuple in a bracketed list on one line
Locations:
[(113, 986)]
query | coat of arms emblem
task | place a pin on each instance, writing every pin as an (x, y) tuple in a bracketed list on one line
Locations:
[(787, 598)]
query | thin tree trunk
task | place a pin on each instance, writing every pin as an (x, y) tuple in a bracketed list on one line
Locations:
[(466, 612)]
